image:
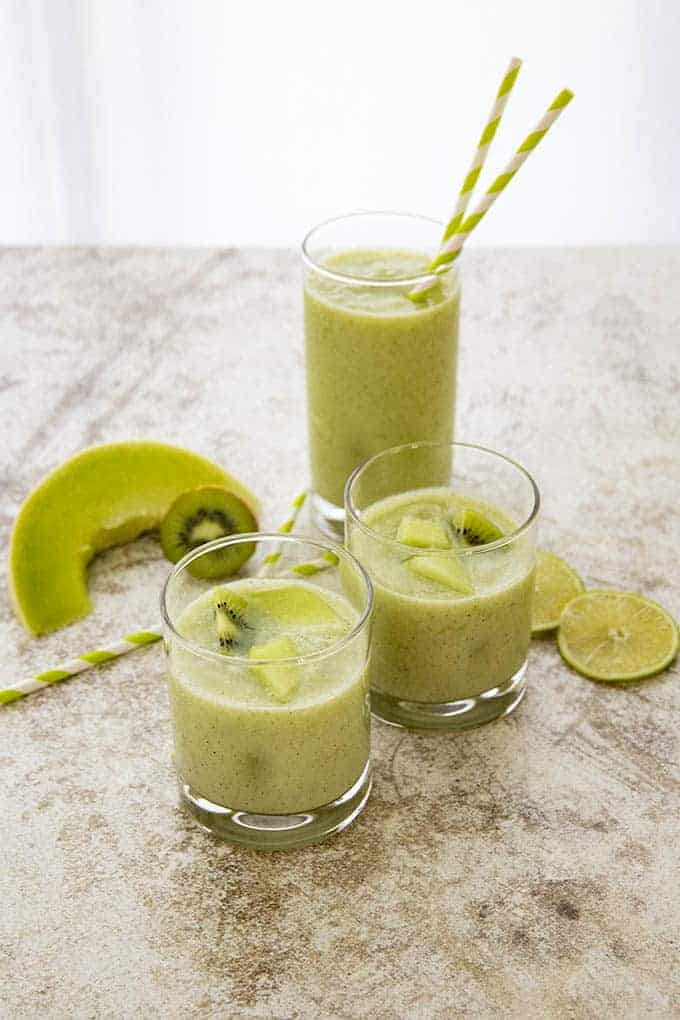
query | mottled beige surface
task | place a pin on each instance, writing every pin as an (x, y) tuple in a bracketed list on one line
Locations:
[(526, 869)]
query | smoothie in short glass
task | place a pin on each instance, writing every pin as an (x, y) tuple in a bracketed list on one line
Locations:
[(269, 698), (381, 368), (452, 567)]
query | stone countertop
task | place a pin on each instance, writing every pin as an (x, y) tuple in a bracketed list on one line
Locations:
[(529, 868)]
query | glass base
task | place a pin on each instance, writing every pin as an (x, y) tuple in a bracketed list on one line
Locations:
[(452, 715), (328, 518), (278, 832)]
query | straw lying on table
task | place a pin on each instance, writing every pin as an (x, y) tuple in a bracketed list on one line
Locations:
[(452, 246), (78, 665), (139, 639)]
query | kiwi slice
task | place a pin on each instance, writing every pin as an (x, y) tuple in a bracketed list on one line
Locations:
[(474, 528), (281, 681), (201, 515), (229, 618), (424, 534), (446, 570)]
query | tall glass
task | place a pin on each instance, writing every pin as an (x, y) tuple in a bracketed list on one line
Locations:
[(251, 769), (381, 368), (453, 586)]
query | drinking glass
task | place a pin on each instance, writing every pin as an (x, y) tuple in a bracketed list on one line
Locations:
[(381, 368), (252, 770), (444, 658)]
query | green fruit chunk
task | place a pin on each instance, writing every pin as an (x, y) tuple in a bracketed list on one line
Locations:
[(445, 570), (295, 607), (424, 534), (616, 636), (555, 584), (102, 497), (201, 515), (474, 528), (229, 618), (282, 681)]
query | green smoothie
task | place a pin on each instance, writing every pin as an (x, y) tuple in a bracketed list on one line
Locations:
[(451, 619), (258, 727), (381, 369)]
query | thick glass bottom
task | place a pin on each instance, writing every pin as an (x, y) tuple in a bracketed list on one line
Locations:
[(328, 518), (278, 832), (452, 715)]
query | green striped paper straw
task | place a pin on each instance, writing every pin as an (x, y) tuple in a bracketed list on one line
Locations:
[(324, 562), (285, 529), (327, 559), (86, 661), (451, 248), (483, 146)]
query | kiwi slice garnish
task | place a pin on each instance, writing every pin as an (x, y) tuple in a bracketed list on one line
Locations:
[(201, 515), (473, 528), (229, 618)]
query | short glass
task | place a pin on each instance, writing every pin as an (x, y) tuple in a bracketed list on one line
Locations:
[(251, 770), (381, 368), (444, 658)]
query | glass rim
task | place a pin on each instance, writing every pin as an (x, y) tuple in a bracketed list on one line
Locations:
[(351, 509), (333, 274), (254, 536)]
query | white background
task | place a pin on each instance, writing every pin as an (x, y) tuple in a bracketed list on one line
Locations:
[(212, 122)]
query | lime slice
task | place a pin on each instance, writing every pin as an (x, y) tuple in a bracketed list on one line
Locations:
[(616, 636), (556, 583)]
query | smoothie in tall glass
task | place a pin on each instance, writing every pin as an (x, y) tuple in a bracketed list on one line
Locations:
[(381, 368)]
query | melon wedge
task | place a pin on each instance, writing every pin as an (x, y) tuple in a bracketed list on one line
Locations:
[(281, 681), (104, 496)]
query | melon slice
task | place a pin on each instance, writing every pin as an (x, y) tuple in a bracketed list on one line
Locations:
[(104, 496), (423, 534), (452, 573), (281, 681)]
